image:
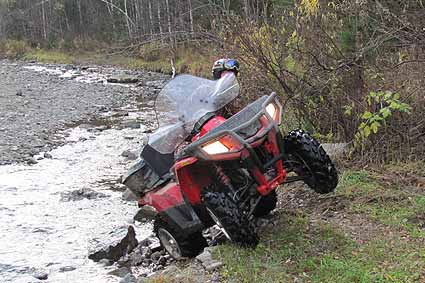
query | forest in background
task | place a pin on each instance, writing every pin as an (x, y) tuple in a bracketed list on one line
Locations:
[(349, 71)]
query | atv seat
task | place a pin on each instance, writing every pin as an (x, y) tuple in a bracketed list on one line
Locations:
[(160, 163)]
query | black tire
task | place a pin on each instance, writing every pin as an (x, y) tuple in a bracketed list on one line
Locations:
[(190, 245), (230, 219), (312, 160), (266, 204)]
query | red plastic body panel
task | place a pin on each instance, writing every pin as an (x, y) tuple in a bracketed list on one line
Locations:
[(211, 124), (166, 197), (192, 178)]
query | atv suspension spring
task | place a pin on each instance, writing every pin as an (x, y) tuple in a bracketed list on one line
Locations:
[(223, 179)]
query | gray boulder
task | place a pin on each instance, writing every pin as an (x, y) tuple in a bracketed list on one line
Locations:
[(81, 194), (120, 242), (129, 196), (121, 79), (121, 272)]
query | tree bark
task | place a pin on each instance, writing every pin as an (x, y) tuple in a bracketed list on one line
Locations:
[(169, 22), (110, 7), (150, 16), (159, 20), (191, 16), (43, 13), (127, 19)]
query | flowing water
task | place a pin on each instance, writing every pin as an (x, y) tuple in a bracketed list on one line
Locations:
[(39, 231)]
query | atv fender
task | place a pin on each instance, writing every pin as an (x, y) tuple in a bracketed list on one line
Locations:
[(173, 208)]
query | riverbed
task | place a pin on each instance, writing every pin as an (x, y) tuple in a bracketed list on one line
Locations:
[(61, 134)]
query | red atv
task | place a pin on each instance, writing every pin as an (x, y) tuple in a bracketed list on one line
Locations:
[(200, 169)]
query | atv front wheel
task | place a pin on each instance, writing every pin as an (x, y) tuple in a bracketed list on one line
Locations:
[(308, 159), (178, 243), (266, 204), (229, 219)]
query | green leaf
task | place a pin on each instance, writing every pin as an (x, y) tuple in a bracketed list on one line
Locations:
[(388, 95), (367, 115), (374, 127), (394, 105), (366, 131), (386, 112), (348, 110), (396, 96)]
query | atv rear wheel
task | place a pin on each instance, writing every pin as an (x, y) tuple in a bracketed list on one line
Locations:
[(308, 159), (266, 204), (178, 243), (230, 219)]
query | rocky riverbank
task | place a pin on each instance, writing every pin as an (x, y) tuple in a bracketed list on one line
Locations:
[(67, 134), (38, 102)]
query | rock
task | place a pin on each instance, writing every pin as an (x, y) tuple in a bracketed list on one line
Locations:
[(145, 242), (66, 268), (122, 79), (213, 265), (129, 278), (19, 93), (155, 256), (336, 149), (80, 194), (161, 261), (102, 128), (146, 263), (146, 252), (204, 256), (41, 275), (120, 272), (136, 258), (105, 262), (131, 124), (129, 196), (31, 161), (124, 261), (121, 242), (207, 261), (155, 246), (47, 155), (146, 213), (170, 270), (129, 154)]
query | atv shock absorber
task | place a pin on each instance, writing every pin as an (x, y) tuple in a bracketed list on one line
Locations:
[(223, 179)]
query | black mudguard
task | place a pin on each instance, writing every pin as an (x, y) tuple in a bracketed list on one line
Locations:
[(183, 217)]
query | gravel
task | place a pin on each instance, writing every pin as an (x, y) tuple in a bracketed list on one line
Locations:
[(36, 106)]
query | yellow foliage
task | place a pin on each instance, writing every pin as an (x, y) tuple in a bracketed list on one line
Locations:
[(309, 7)]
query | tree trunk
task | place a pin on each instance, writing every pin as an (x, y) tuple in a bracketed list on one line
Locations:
[(169, 23), (80, 15), (43, 13), (127, 19), (191, 16), (110, 7), (160, 21), (150, 16)]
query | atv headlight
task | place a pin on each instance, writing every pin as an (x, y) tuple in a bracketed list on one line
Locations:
[(274, 111), (271, 110), (216, 147)]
